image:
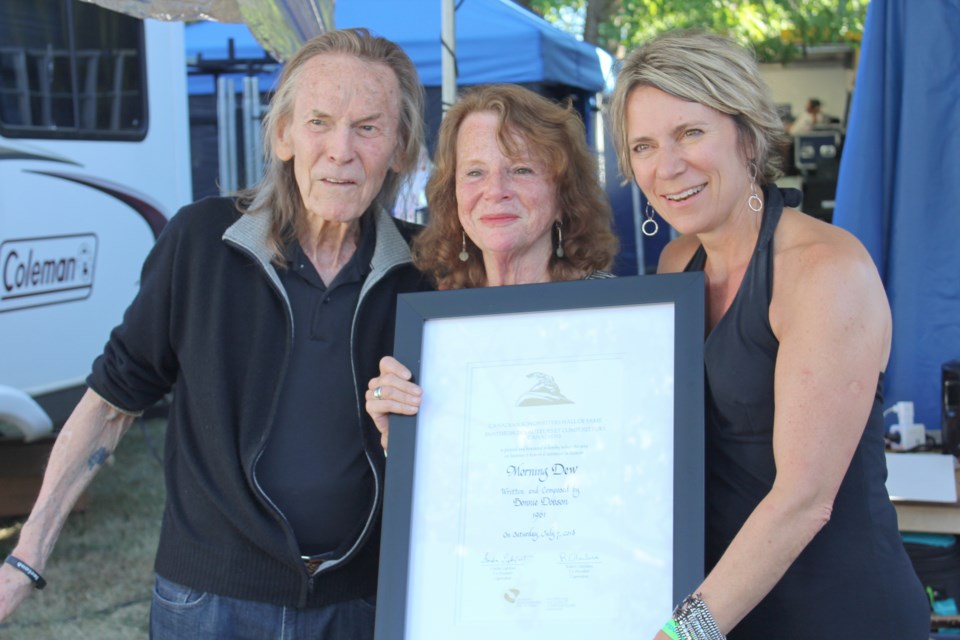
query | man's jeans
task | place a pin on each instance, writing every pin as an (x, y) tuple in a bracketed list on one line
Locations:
[(179, 613)]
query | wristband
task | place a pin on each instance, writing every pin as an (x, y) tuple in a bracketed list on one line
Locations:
[(28, 571), (670, 629)]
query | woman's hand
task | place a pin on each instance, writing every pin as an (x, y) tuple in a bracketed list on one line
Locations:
[(391, 392)]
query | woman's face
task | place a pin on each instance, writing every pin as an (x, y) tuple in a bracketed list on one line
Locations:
[(506, 205), (687, 160)]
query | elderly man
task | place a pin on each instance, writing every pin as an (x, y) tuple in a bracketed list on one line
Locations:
[(266, 314)]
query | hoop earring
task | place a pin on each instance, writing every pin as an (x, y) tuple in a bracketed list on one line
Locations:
[(464, 256), (754, 201), (650, 226), (559, 252)]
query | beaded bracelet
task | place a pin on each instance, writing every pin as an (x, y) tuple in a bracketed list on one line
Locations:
[(28, 571), (694, 621)]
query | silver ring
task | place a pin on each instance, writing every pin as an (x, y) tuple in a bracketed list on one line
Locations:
[(377, 393)]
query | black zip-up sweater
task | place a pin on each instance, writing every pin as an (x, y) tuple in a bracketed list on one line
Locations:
[(212, 320)]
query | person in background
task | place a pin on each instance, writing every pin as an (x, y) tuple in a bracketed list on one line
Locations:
[(811, 117), (265, 314), (801, 537), (514, 199)]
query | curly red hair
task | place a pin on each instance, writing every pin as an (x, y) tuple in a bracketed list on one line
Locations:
[(556, 136)]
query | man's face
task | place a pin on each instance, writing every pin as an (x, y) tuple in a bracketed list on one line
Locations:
[(342, 134)]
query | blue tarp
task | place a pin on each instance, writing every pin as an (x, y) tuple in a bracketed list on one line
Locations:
[(496, 41), (899, 191)]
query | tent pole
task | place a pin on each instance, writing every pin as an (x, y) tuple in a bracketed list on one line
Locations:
[(448, 54)]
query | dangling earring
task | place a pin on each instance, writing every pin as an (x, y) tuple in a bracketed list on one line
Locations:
[(559, 240), (464, 256), (754, 201), (650, 226)]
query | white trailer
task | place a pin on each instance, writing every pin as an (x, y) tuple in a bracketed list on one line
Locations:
[(94, 158)]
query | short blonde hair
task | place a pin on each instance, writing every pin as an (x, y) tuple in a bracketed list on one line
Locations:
[(711, 70)]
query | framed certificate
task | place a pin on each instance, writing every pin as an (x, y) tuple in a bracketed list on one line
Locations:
[(552, 482)]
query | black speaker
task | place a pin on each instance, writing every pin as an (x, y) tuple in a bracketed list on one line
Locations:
[(950, 408)]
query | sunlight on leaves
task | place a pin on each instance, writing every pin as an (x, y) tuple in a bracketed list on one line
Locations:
[(778, 30)]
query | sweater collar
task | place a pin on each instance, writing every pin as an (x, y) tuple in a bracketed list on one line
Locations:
[(251, 231)]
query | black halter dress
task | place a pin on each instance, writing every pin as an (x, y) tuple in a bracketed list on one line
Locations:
[(854, 579)]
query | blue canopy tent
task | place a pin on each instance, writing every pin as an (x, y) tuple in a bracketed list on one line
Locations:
[(496, 41), (898, 190)]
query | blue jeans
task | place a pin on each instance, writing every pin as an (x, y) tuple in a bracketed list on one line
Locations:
[(178, 613)]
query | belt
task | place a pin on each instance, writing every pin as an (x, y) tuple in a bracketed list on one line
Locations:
[(312, 564)]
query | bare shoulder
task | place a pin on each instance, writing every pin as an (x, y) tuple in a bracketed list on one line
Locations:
[(825, 271), (807, 248), (677, 254)]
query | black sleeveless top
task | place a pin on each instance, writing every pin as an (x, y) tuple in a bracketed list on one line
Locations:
[(854, 579)]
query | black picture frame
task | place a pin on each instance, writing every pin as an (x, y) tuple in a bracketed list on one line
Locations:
[(683, 292)]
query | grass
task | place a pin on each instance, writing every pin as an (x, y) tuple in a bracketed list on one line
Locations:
[(101, 572)]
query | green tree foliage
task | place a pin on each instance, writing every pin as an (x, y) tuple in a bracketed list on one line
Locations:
[(779, 30)]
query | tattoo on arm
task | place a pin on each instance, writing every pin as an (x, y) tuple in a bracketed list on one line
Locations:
[(98, 458)]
